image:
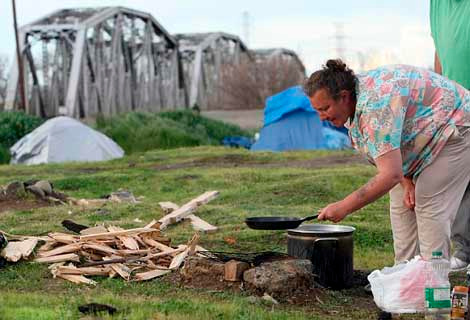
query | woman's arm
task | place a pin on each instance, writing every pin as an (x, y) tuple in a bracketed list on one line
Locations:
[(389, 174)]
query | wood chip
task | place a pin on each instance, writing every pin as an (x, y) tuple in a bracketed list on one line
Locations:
[(15, 250)]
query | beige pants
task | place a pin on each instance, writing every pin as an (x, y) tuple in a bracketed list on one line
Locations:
[(461, 229), (439, 190)]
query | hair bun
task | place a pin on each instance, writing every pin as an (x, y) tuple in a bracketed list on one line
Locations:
[(336, 65)]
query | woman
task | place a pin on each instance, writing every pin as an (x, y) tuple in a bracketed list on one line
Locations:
[(412, 124)]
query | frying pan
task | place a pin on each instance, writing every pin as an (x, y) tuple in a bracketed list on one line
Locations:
[(276, 223)]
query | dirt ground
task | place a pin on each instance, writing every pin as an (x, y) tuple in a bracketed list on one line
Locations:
[(236, 160), (22, 204), (315, 299)]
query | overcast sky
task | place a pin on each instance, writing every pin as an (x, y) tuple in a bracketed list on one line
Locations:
[(387, 31)]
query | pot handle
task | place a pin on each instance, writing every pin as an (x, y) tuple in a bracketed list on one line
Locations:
[(324, 252)]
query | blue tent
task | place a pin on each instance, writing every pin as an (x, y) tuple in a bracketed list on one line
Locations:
[(290, 123)]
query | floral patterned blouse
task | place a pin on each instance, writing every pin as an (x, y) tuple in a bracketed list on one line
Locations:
[(407, 108)]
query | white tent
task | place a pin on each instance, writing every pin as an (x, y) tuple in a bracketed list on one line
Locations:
[(63, 139)]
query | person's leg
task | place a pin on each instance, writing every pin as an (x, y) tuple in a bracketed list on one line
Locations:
[(460, 231), (439, 191), (403, 220)]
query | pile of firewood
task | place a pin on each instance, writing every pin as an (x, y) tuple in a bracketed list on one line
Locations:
[(133, 254)]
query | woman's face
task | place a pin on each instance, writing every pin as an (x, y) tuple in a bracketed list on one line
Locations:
[(335, 111)]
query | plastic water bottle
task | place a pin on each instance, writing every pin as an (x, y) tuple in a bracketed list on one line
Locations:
[(437, 288)]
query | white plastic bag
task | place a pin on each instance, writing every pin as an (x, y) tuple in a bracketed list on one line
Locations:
[(400, 289)]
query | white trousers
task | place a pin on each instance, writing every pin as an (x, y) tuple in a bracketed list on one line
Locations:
[(439, 190)]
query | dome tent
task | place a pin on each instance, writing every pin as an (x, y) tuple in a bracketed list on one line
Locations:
[(63, 139), (290, 123)]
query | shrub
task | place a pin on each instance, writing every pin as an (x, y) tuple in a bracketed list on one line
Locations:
[(4, 155), (13, 126), (216, 130), (138, 131)]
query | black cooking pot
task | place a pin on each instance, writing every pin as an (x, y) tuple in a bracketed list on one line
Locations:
[(329, 247)]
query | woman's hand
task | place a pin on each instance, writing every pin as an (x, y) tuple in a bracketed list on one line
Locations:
[(408, 193), (334, 212), (389, 174)]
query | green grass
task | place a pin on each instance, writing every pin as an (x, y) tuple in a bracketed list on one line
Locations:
[(27, 290)]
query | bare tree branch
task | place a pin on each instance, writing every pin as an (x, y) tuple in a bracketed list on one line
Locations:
[(3, 79), (248, 84)]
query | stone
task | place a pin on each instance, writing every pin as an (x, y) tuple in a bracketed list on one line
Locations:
[(14, 188), (280, 278), (45, 186), (201, 269), (36, 191), (268, 298)]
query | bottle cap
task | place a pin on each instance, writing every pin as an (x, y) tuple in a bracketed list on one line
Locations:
[(437, 253), (461, 289)]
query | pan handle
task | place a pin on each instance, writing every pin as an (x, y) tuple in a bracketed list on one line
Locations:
[(309, 218)]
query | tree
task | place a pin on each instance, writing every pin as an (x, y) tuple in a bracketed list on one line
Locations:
[(248, 84), (3, 79)]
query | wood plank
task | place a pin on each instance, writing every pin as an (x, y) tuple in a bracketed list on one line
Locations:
[(128, 242), (187, 208), (115, 233), (73, 247), (93, 230), (59, 258), (99, 247), (178, 259), (153, 224), (89, 271), (234, 270), (131, 259), (15, 250), (149, 241), (63, 237), (78, 279), (168, 207), (134, 252), (119, 268), (150, 274), (201, 225), (49, 245)]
